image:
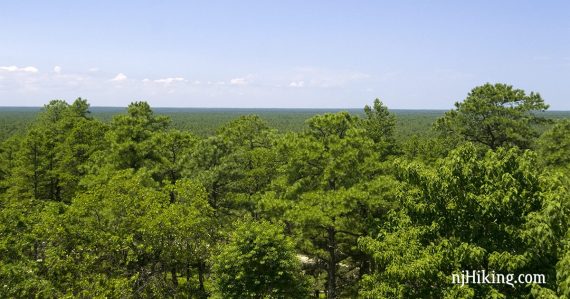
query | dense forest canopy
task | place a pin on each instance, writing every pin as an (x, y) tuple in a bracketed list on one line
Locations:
[(204, 122), (345, 206)]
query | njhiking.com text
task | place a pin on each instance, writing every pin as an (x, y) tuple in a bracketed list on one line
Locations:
[(484, 277)]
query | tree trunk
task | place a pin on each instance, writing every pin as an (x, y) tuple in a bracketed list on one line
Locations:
[(174, 276), (201, 268), (188, 275), (331, 267)]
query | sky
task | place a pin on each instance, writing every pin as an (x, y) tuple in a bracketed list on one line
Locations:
[(281, 54)]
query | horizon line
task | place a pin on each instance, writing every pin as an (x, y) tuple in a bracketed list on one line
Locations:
[(258, 108), (194, 107)]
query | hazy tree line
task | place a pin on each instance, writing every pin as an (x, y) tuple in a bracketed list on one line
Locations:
[(135, 208)]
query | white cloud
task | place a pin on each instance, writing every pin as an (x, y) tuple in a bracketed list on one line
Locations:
[(13, 68), (319, 77), (120, 77), (167, 81), (93, 69), (297, 84), (29, 69), (239, 81), (57, 69)]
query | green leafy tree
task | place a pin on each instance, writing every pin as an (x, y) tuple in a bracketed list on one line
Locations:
[(184, 234), (323, 192), (82, 139), (554, 150), (30, 174), (379, 124), (9, 149), (237, 163), (125, 238), (426, 149), (23, 220), (174, 150), (54, 151), (130, 137), (134, 209), (554, 145), (474, 210), (259, 262), (251, 161), (208, 167), (495, 115)]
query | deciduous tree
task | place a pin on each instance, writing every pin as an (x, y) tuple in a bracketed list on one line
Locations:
[(259, 262)]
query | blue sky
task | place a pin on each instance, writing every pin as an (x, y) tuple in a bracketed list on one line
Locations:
[(411, 54)]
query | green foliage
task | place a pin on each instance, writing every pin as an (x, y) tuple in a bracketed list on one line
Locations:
[(259, 262), (494, 116), (205, 122), (236, 164), (322, 192), (8, 153), (122, 238), (554, 145), (22, 244), (51, 156), (174, 150), (346, 205), (480, 210), (130, 137), (333, 153), (380, 124), (427, 149)]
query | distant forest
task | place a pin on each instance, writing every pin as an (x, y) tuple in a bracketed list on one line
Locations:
[(205, 121), (285, 203)]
